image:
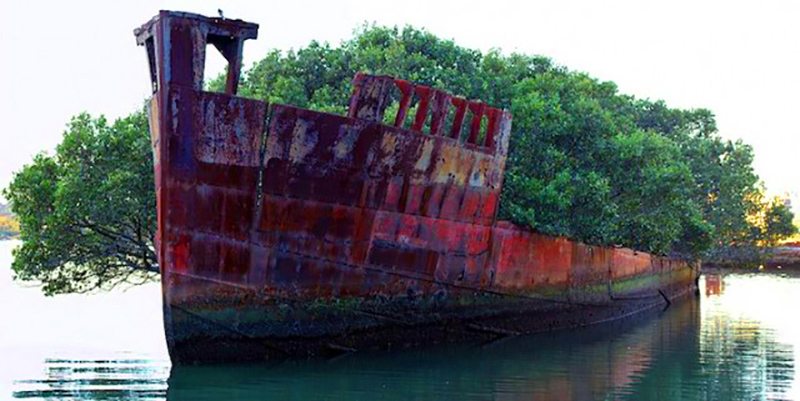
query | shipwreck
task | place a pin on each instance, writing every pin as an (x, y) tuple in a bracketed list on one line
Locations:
[(286, 232)]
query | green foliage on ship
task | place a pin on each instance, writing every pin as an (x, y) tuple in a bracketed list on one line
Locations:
[(585, 161)]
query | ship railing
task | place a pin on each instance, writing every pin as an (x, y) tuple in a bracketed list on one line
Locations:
[(403, 104)]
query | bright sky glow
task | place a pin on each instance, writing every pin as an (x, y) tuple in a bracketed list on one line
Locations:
[(739, 59)]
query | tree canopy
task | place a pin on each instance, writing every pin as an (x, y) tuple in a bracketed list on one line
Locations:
[(585, 161), (87, 213)]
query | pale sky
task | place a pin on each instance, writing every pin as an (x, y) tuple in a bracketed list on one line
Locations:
[(739, 59)]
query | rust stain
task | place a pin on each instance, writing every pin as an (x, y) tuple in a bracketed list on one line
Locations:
[(314, 226)]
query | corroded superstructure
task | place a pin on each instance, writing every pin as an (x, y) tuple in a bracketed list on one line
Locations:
[(284, 231)]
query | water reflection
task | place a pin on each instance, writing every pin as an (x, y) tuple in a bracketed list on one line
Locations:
[(731, 344), (748, 338), (129, 379), (591, 364), (714, 284)]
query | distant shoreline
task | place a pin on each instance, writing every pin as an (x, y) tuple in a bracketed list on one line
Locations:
[(9, 225), (783, 260), (787, 255)]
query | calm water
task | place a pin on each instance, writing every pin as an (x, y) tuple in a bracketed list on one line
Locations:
[(738, 341)]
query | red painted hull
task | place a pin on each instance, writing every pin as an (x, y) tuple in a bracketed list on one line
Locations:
[(286, 232)]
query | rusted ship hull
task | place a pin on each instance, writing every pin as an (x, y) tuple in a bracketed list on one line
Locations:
[(238, 326), (288, 232)]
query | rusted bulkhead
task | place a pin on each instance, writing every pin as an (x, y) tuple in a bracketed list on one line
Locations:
[(284, 231)]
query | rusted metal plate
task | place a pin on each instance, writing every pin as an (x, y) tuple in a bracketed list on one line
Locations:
[(278, 235)]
